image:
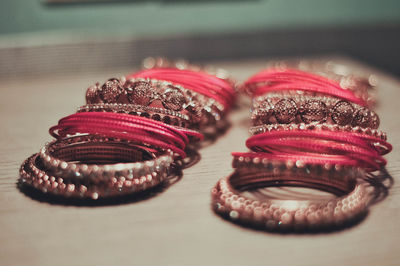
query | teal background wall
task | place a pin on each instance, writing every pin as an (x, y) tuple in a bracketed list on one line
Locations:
[(160, 17)]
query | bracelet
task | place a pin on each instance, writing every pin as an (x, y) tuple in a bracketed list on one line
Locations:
[(105, 159), (274, 80), (275, 215), (362, 86), (326, 127), (304, 109), (202, 83), (366, 150), (262, 170), (166, 116), (55, 169), (157, 95), (32, 175), (124, 126), (161, 62)]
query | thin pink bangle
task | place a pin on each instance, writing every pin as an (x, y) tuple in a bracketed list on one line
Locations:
[(203, 83), (276, 80), (297, 142), (222, 86), (200, 86), (127, 127)]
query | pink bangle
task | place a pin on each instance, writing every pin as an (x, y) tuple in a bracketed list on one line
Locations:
[(362, 86), (161, 62), (202, 83), (166, 116), (284, 80), (127, 127), (367, 150)]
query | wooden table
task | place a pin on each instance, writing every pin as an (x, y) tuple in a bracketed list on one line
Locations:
[(176, 226)]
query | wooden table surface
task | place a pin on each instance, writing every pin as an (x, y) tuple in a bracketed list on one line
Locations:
[(176, 226)]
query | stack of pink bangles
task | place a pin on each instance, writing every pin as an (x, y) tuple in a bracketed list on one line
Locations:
[(310, 132), (129, 135)]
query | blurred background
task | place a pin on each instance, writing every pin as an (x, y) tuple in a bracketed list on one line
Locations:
[(57, 36)]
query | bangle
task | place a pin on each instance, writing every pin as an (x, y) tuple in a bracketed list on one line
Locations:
[(326, 127), (202, 83), (158, 95), (104, 158), (132, 128), (366, 150), (307, 109), (169, 117), (362, 86), (274, 214), (274, 80), (160, 62), (56, 171)]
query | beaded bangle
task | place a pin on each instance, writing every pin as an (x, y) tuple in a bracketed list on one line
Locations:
[(274, 214), (100, 155), (66, 168)]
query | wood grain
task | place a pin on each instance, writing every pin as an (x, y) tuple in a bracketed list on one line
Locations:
[(176, 226)]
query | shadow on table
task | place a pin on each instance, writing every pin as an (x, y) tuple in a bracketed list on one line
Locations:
[(213, 133)]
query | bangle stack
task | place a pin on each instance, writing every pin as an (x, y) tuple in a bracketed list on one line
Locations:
[(130, 134), (308, 132)]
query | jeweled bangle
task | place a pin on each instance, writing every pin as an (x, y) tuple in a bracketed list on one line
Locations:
[(199, 82), (157, 94), (302, 126), (100, 155), (271, 214), (159, 114), (296, 109)]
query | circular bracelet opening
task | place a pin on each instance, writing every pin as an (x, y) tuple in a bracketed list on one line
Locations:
[(101, 153)]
